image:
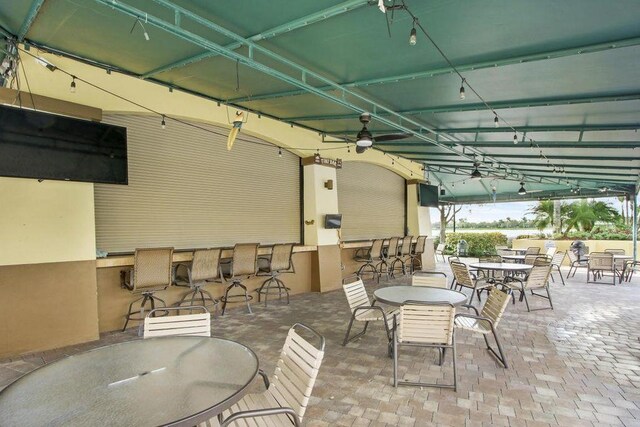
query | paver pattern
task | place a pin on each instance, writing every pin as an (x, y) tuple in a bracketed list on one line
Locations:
[(578, 365)]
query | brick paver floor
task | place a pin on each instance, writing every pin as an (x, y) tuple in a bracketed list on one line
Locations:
[(578, 365)]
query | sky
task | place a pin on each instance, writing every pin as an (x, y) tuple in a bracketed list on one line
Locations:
[(497, 211)]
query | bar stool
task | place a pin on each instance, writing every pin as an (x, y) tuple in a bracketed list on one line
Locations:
[(416, 253), (243, 265), (403, 256), (279, 262), (151, 273), (369, 256), (392, 255), (205, 268)]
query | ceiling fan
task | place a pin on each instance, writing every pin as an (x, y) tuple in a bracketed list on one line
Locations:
[(365, 139)]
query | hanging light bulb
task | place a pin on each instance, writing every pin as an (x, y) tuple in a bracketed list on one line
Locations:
[(462, 95), (496, 122), (348, 148), (163, 123), (515, 138), (279, 152), (72, 88), (413, 37)]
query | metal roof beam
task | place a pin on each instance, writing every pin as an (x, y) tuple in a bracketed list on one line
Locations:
[(546, 102), (312, 18), (561, 128), (544, 195), (525, 156), (566, 166), (539, 56), (28, 21), (630, 177), (510, 144)]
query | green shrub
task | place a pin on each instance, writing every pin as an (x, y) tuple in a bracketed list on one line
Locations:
[(479, 243)]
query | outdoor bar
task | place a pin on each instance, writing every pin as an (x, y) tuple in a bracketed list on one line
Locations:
[(260, 211)]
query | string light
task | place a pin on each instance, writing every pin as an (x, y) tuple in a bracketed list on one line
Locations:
[(163, 123), (462, 95), (72, 87), (515, 138), (413, 37), (496, 122), (279, 152)]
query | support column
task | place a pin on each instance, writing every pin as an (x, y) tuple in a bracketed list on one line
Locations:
[(634, 231), (419, 224), (321, 198)]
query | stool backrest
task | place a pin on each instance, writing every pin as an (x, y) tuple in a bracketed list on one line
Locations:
[(376, 249), (245, 259), (281, 257), (205, 265), (152, 268), (392, 249), (406, 245), (196, 325)]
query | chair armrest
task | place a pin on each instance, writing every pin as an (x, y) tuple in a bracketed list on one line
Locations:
[(370, 307), (265, 378), (261, 413), (471, 316), (471, 307)]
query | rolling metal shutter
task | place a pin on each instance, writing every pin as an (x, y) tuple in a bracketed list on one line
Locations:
[(187, 191), (371, 200)]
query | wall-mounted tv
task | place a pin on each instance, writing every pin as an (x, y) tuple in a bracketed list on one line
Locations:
[(428, 195), (333, 221), (48, 146)]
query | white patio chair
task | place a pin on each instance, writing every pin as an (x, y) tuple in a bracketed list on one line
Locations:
[(538, 278), (424, 325), (286, 397), (575, 263), (434, 279), (486, 322), (464, 279), (440, 251), (599, 264), (363, 311), (556, 263), (197, 325)]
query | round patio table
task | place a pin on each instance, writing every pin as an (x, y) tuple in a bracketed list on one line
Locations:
[(500, 266), (397, 295), (176, 381)]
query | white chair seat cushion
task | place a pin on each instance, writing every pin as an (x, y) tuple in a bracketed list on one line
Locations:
[(476, 325)]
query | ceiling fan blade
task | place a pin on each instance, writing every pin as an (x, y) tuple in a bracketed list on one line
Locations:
[(391, 137)]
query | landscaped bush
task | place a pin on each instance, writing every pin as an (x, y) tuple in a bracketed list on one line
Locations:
[(479, 243), (598, 235)]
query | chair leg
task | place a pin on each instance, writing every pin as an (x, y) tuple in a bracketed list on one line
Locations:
[(128, 316), (455, 370), (526, 301), (499, 356), (395, 360), (348, 339), (560, 274)]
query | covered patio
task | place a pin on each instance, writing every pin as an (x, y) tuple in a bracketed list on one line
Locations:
[(285, 144)]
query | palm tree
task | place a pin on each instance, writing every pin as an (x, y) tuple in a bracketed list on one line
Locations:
[(583, 215)]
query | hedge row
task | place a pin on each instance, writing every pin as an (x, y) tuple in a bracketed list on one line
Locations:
[(479, 243)]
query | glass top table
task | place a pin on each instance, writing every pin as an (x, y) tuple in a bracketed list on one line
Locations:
[(176, 381), (519, 258), (397, 295)]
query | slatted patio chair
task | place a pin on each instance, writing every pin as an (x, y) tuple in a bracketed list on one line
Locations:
[(363, 311), (600, 263), (416, 253), (486, 321), (551, 251), (575, 263), (205, 268), (629, 268), (619, 264), (532, 250), (440, 251), (538, 278), (492, 276), (280, 261), (287, 395), (372, 259), (424, 325), (556, 263), (197, 325), (434, 279), (464, 279)]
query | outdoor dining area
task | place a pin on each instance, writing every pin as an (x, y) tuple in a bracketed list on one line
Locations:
[(256, 213)]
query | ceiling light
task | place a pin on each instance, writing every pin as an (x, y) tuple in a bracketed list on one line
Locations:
[(462, 95), (522, 191), (515, 138), (364, 138)]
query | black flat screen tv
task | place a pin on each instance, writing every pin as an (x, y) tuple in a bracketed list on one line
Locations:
[(333, 221), (52, 147), (428, 195)]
